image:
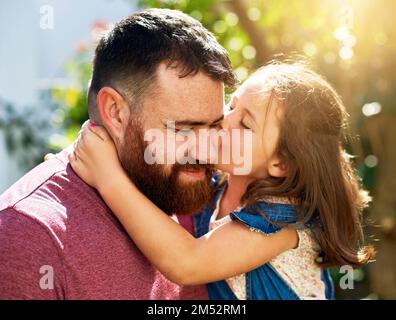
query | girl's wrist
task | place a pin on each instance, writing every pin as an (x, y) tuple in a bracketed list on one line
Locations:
[(112, 182)]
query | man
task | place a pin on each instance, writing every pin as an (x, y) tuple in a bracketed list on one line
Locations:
[(58, 239)]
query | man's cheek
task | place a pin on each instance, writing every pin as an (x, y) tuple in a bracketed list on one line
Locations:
[(158, 150), (168, 147), (183, 149), (177, 147)]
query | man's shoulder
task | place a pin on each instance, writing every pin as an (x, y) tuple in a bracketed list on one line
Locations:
[(48, 195), (27, 185)]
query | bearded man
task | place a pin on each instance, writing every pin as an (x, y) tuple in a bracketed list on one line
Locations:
[(58, 239)]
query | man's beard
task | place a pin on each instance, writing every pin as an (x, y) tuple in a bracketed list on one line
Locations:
[(164, 189)]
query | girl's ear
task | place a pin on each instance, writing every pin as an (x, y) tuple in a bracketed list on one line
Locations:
[(277, 167)]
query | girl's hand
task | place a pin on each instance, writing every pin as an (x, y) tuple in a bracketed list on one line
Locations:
[(49, 156), (95, 157)]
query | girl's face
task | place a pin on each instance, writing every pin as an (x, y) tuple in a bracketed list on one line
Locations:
[(252, 109)]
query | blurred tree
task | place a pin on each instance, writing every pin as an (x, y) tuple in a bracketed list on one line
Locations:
[(353, 43), (23, 132), (72, 100)]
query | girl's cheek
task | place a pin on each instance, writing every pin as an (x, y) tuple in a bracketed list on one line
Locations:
[(223, 148), (235, 152), (258, 158)]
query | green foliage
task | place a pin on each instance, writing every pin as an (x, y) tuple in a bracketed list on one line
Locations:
[(22, 134), (72, 101)]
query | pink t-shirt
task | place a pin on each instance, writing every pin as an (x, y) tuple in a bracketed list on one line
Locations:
[(59, 240)]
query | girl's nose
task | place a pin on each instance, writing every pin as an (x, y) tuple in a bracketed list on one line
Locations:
[(230, 120)]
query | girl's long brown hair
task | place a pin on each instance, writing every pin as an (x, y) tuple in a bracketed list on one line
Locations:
[(320, 174)]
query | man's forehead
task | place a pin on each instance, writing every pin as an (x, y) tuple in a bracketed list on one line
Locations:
[(194, 97), (171, 80), (193, 117)]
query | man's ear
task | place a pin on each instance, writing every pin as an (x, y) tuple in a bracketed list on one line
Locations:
[(277, 167), (113, 110)]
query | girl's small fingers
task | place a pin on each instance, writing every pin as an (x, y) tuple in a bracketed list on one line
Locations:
[(85, 125), (71, 157), (77, 143), (77, 152), (83, 128), (75, 165), (77, 157), (100, 132), (48, 156)]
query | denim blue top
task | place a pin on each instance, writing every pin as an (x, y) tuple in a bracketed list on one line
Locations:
[(263, 283)]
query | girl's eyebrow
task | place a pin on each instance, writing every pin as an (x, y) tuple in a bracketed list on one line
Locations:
[(250, 114)]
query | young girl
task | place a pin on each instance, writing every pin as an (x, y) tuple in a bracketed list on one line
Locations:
[(267, 235)]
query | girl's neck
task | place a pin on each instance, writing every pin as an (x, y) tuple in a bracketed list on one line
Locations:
[(231, 198)]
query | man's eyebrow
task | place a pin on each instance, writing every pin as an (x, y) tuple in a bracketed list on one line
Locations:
[(219, 119), (193, 123)]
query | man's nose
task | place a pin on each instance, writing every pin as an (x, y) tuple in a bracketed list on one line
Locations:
[(205, 147)]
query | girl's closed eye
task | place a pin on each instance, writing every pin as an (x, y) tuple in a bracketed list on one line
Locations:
[(244, 125), (242, 122)]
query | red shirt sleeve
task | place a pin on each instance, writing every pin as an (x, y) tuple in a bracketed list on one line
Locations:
[(30, 262), (187, 221)]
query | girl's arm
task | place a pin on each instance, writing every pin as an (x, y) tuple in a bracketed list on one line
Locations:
[(228, 250)]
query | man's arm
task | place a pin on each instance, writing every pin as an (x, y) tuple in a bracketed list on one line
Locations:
[(30, 265)]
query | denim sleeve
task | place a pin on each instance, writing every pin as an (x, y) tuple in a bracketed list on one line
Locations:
[(267, 219), (255, 222)]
